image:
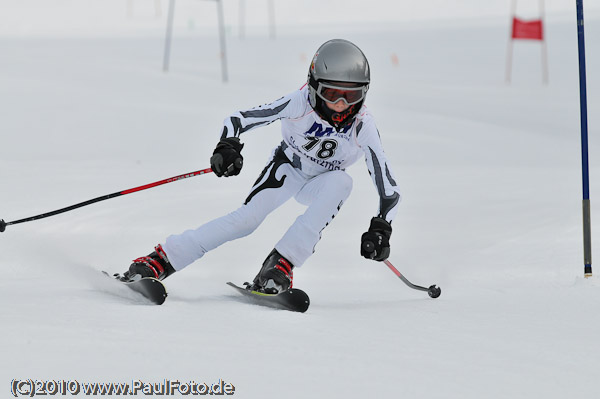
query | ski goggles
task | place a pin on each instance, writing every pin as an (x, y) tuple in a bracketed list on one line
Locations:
[(331, 93)]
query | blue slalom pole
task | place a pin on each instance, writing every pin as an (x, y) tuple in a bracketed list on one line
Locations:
[(587, 231)]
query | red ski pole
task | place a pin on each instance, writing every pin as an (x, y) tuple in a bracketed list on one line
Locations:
[(3, 224), (433, 290)]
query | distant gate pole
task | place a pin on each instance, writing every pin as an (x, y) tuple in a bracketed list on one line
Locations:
[(527, 30), (221, 22), (167, 53), (271, 6), (223, 54)]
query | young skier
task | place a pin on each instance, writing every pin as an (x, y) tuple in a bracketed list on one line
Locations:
[(325, 127)]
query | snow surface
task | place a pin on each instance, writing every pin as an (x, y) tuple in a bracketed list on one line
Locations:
[(490, 176)]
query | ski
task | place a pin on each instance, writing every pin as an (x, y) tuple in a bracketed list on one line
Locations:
[(150, 288), (294, 299)]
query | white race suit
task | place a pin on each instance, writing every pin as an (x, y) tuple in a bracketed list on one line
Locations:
[(308, 165)]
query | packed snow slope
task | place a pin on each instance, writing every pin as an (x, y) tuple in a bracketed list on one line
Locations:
[(491, 181)]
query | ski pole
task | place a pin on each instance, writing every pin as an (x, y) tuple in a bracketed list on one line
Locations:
[(433, 291), (3, 224)]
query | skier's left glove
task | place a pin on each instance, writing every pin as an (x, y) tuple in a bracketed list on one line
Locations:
[(227, 159), (375, 243)]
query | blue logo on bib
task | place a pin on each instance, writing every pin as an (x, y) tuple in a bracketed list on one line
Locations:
[(318, 130)]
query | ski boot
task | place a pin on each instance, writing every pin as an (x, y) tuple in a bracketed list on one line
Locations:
[(275, 276), (155, 265)]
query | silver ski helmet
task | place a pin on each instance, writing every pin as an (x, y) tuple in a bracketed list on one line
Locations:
[(339, 71)]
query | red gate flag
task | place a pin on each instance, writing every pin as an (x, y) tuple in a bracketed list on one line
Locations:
[(527, 29)]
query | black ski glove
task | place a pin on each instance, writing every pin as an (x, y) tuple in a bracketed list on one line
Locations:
[(227, 159), (375, 243)]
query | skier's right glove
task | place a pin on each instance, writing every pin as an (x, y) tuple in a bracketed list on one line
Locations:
[(375, 243), (227, 159)]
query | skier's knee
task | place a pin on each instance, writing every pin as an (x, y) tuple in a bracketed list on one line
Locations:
[(246, 222), (343, 183)]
